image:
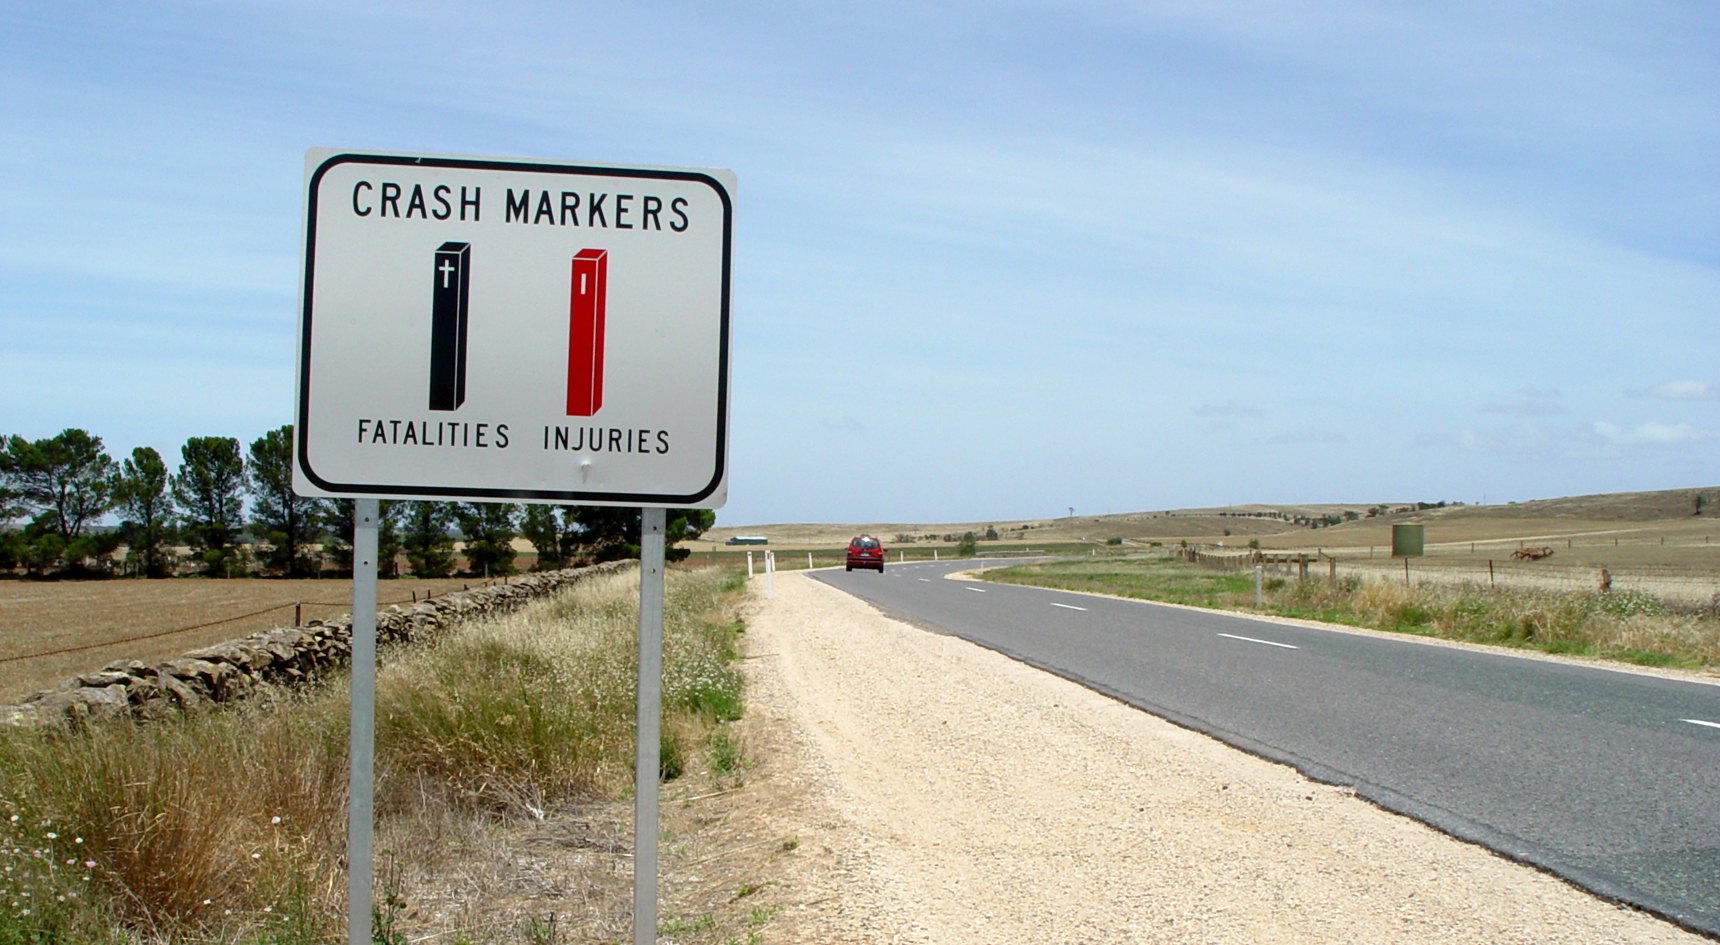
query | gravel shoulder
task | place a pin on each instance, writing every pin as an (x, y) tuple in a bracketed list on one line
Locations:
[(940, 792)]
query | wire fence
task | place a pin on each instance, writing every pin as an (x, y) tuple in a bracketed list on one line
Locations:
[(1689, 585), (1673, 585)]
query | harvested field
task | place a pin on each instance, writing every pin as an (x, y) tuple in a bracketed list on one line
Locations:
[(1632, 517), (79, 626)]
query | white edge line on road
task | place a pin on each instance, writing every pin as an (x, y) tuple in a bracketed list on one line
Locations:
[(1700, 722), (1065, 606), (974, 589), (1252, 640)]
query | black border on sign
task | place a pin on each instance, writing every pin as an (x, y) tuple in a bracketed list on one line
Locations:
[(615, 498)]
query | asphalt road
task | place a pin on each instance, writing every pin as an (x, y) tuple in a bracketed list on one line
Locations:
[(1609, 779)]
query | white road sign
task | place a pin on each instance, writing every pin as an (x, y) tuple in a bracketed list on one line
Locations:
[(483, 328)]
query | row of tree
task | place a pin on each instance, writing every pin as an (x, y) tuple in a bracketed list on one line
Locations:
[(63, 488)]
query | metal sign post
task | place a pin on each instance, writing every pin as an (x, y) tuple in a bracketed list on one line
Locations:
[(647, 749), (361, 750), (490, 329)]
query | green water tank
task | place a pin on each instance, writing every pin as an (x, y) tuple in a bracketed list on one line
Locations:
[(1407, 541)]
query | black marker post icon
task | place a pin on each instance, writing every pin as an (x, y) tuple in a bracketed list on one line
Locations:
[(448, 326)]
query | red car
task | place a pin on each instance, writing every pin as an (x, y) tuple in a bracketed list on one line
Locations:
[(866, 552)]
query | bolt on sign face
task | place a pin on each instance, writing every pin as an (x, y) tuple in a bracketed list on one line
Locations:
[(509, 330)]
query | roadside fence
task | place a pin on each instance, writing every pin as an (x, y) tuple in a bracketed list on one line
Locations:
[(1684, 586)]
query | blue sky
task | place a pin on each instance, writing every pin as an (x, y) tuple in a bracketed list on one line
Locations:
[(992, 260)]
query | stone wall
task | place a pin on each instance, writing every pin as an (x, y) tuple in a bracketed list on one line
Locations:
[(232, 670)]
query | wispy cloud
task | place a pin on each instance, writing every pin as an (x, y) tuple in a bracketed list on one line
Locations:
[(1682, 390), (1522, 410), (1602, 439), (1320, 437), (1523, 440), (1652, 434), (1226, 410), (844, 424)]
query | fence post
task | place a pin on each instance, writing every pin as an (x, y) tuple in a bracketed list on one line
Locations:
[(1490, 573), (809, 561), (749, 564), (298, 613)]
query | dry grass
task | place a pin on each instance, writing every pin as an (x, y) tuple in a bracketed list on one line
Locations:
[(41, 616), (184, 826), (1620, 625), (228, 826)]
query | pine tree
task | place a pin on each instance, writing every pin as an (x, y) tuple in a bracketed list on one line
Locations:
[(210, 488), (147, 508), (489, 529), (282, 517), (66, 482), (424, 535)]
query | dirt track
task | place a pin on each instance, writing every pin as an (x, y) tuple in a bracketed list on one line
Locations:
[(942, 793)]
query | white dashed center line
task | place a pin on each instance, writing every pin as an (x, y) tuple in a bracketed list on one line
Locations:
[(1252, 640), (1065, 606), (1700, 722), (927, 580), (974, 589)]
